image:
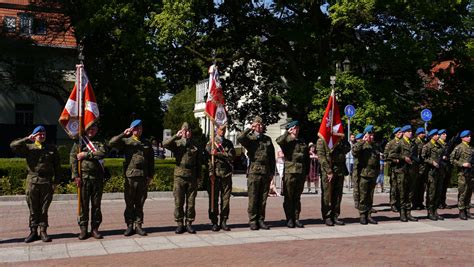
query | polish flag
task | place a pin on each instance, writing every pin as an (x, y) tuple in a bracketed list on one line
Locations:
[(81, 104), (332, 118), (215, 104)]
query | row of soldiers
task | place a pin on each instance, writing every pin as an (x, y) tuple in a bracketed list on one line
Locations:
[(44, 174)]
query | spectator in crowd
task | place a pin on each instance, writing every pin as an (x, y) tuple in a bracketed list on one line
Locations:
[(313, 174)]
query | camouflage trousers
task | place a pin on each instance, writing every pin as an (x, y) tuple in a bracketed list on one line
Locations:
[(39, 197), (394, 191), (184, 192), (91, 192), (433, 186), (367, 188), (464, 191), (294, 186), (405, 184), (331, 196), (258, 188), (355, 186), (135, 195), (222, 190)]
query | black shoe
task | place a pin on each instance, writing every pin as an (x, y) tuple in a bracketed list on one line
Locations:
[(262, 225), (299, 224), (363, 219), (83, 233), (403, 216), (224, 225), (95, 233), (432, 216), (329, 222), (44, 235), (422, 207), (290, 223), (129, 231), (371, 220), (139, 230), (180, 229), (443, 206), (253, 226), (462, 215), (410, 217), (468, 214), (190, 229), (215, 227), (33, 236), (394, 209), (338, 222)]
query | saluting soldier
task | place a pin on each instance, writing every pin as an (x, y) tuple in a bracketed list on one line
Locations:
[(139, 168), (261, 155), (356, 174), (333, 170), (462, 157), (394, 193), (401, 157), (91, 181), (431, 154), (296, 167), (419, 170), (368, 155), (186, 175), (224, 154), (444, 168), (44, 174)]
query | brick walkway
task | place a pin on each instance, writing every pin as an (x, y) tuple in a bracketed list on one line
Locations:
[(390, 241)]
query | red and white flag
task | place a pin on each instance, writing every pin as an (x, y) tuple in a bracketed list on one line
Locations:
[(331, 118), (215, 104), (80, 98)]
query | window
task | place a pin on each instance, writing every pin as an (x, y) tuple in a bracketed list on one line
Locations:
[(9, 24), (26, 23), (40, 26), (24, 114)]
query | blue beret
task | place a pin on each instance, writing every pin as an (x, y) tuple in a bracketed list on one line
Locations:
[(396, 130), (135, 123), (39, 129), (420, 130), (292, 124), (432, 132), (406, 128), (442, 131), (359, 136), (465, 133), (369, 129)]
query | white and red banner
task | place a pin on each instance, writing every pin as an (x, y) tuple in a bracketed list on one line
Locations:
[(81, 104), (215, 103), (331, 118)]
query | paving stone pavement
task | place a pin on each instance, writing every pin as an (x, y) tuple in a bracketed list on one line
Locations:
[(67, 249)]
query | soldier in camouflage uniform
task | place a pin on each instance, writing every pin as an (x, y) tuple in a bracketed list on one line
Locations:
[(139, 168), (419, 169), (394, 193), (444, 169), (431, 155), (333, 170), (43, 164), (186, 175), (261, 154), (368, 155), (296, 167), (221, 169), (462, 158), (401, 158), (91, 182), (356, 174)]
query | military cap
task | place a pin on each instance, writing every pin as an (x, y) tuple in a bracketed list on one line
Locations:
[(369, 129), (39, 129), (406, 128), (185, 126), (359, 136), (442, 131), (135, 123), (432, 132), (292, 124), (257, 119), (396, 130), (465, 133), (420, 131)]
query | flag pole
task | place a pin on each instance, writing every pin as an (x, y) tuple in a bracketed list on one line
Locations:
[(333, 96), (79, 112), (213, 175)]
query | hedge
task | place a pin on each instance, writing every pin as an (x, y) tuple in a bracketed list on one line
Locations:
[(13, 177)]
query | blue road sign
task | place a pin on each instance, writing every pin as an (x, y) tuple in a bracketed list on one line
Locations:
[(426, 115), (350, 111)]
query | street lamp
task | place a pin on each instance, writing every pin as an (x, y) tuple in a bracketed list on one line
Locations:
[(333, 81), (346, 64)]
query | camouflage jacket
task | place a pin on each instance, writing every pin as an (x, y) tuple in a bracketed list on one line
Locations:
[(333, 161), (91, 167), (223, 159), (368, 156), (402, 149), (431, 152), (296, 154), (261, 152), (461, 154), (187, 156)]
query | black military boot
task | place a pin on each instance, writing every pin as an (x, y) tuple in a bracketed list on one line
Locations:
[(33, 236), (189, 228), (431, 215), (329, 222), (370, 219), (253, 226), (462, 215), (139, 230), (262, 225), (129, 231), (394, 209), (338, 222), (403, 216), (298, 224), (468, 214), (290, 223), (95, 233), (215, 227), (83, 233), (439, 217), (224, 225), (410, 217), (180, 229), (44, 235), (363, 219)]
